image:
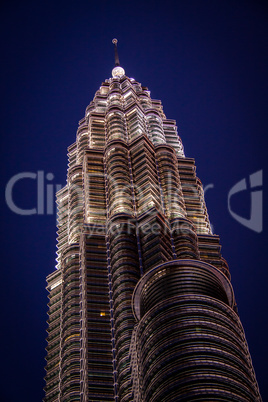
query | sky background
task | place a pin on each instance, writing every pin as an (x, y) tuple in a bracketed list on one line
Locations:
[(206, 61)]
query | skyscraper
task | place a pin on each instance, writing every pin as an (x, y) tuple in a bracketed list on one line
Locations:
[(141, 307)]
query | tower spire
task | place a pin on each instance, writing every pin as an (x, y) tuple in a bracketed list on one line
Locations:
[(117, 71), (116, 58)]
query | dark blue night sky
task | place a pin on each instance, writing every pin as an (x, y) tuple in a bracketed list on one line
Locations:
[(207, 62)]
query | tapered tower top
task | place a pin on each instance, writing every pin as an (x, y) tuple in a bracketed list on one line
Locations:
[(117, 70)]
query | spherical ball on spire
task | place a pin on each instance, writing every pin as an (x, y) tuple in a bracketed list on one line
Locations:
[(118, 72), (114, 41)]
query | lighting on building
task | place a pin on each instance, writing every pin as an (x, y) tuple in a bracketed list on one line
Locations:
[(141, 307)]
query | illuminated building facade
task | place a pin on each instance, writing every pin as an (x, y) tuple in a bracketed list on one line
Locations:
[(141, 307)]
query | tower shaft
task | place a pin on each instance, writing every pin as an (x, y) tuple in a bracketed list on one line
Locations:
[(140, 306)]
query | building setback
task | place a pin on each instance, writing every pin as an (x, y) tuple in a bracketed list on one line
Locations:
[(141, 307)]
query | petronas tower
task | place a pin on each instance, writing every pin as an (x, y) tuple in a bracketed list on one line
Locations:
[(141, 307)]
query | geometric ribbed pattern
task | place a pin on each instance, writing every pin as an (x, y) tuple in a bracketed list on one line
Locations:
[(125, 275), (193, 348), (180, 277), (190, 343)]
